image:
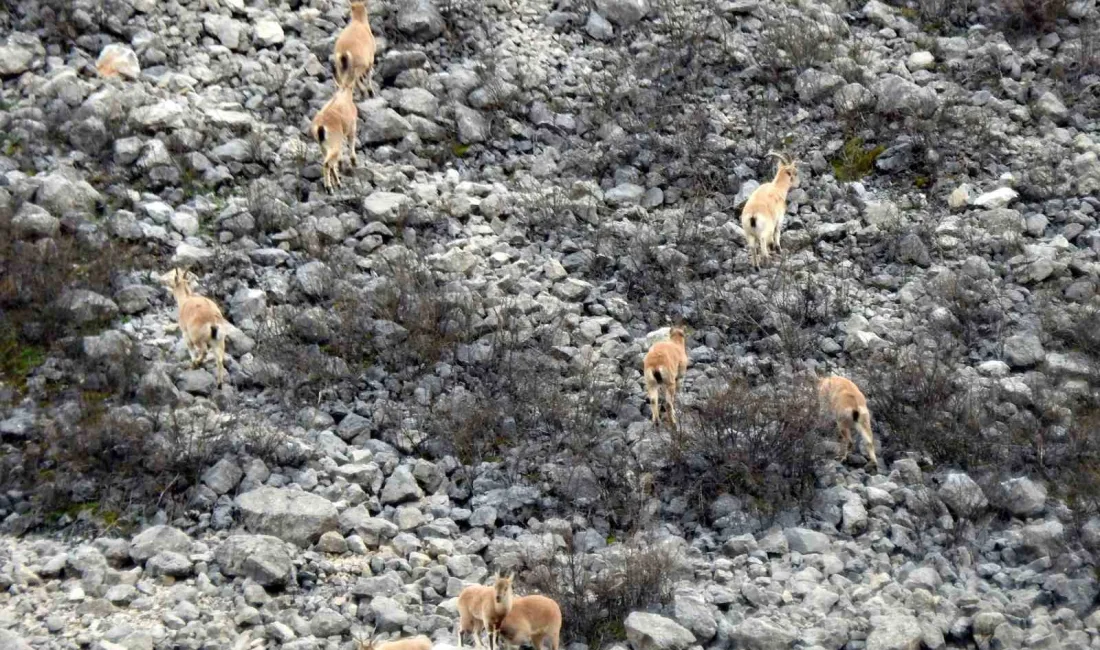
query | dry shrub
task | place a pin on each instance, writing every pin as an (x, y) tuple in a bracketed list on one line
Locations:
[(522, 405), (916, 405), (1031, 15), (791, 39), (1077, 477), (596, 592), (789, 315), (754, 441), (975, 304), (35, 274), (122, 457), (1076, 330), (268, 205), (435, 319), (404, 320), (304, 368)]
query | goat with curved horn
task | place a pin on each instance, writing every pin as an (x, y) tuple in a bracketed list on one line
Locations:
[(762, 216)]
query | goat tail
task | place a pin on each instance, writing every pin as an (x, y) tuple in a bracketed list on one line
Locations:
[(321, 134), (752, 222), (657, 376), (342, 63), (865, 418), (856, 415)]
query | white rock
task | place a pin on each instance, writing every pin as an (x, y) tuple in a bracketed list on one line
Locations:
[(960, 197), (268, 32), (118, 60), (998, 198), (17, 54), (920, 61)]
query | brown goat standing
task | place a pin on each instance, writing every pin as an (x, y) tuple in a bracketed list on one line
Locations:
[(843, 399), (200, 320), (333, 127), (762, 216), (532, 619), (355, 49), (482, 607), (664, 367)]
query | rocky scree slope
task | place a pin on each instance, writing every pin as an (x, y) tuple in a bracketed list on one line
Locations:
[(434, 372)]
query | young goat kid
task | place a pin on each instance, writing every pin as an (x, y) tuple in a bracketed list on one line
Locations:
[(481, 607), (762, 216), (844, 401), (355, 48), (200, 320), (333, 127), (664, 367), (532, 619)]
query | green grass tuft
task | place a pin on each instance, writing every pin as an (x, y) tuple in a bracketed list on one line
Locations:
[(855, 160)]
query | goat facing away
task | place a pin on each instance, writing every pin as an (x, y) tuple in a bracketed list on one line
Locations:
[(664, 367), (762, 216), (355, 50), (412, 643), (333, 127), (532, 619), (842, 399), (200, 320), (482, 607)]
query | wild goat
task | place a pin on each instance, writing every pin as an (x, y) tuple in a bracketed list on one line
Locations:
[(664, 367), (200, 320), (482, 607), (844, 401), (354, 55), (532, 619), (411, 643), (762, 216), (333, 127)]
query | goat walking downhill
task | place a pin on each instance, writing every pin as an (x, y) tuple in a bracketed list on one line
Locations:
[(762, 216), (532, 619), (355, 50), (845, 402), (483, 607), (664, 367), (333, 127), (200, 320)]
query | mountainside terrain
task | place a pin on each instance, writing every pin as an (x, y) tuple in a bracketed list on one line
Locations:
[(434, 373)]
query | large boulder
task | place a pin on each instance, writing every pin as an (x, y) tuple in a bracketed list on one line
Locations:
[(419, 19), (692, 611), (291, 515), (804, 540), (1044, 539), (623, 12), (159, 539), (262, 558), (63, 192), (10, 640), (1024, 350), (647, 631), (894, 631), (896, 95), (762, 634), (1023, 497), (401, 486), (962, 496)]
